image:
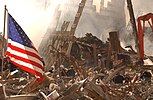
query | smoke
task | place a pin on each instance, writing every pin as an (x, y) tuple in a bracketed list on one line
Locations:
[(148, 39), (98, 23), (140, 8), (34, 16), (143, 5)]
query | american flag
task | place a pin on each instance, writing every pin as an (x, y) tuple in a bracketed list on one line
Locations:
[(20, 50)]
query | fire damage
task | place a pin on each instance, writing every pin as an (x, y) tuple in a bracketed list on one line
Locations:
[(86, 68)]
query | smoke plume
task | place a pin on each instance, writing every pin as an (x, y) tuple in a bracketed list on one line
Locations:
[(34, 16), (140, 8)]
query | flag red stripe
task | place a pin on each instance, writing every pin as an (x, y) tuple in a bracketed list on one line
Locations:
[(24, 60), (23, 51), (27, 69)]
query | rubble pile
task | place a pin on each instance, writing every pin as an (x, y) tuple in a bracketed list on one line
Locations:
[(93, 71)]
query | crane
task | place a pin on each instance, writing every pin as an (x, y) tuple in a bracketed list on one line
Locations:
[(141, 29)]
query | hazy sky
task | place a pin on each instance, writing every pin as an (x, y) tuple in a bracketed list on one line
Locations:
[(35, 15), (31, 15)]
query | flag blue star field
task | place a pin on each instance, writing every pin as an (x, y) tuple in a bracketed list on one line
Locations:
[(20, 50)]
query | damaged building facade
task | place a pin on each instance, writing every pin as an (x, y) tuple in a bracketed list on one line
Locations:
[(110, 18), (80, 64)]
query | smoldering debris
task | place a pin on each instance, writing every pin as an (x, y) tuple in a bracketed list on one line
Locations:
[(86, 74), (84, 68)]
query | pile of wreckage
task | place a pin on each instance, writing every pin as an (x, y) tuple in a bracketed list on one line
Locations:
[(112, 74), (92, 70)]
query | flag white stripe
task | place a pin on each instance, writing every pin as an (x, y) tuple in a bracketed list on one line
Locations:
[(22, 50), (28, 57), (22, 47), (26, 65)]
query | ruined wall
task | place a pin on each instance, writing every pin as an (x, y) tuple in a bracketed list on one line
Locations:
[(108, 19), (99, 24)]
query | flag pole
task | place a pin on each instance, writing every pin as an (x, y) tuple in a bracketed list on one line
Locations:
[(3, 37)]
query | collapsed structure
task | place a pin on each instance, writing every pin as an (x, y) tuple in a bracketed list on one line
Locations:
[(86, 68), (108, 19)]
